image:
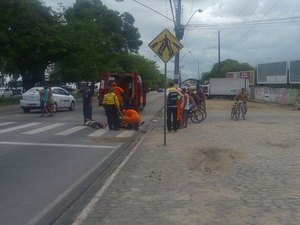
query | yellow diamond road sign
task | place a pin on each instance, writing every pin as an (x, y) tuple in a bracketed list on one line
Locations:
[(165, 45)]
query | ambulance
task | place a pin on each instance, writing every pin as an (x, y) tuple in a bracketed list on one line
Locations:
[(135, 90)]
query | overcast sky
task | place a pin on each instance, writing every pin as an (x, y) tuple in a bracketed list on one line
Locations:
[(251, 31)]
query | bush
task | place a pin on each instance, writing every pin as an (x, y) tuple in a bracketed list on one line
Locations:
[(10, 101)]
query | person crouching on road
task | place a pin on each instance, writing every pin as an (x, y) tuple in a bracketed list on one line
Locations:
[(111, 107), (131, 119)]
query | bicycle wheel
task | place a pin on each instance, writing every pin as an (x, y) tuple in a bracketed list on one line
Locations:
[(232, 112), (204, 114), (196, 116), (237, 113)]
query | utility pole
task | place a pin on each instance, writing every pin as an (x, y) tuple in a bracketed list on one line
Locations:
[(198, 70), (178, 27), (219, 48), (179, 32)]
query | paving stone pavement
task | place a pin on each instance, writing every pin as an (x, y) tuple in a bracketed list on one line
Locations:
[(219, 172)]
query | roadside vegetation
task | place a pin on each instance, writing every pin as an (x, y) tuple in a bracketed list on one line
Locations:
[(77, 44), (9, 101), (73, 44)]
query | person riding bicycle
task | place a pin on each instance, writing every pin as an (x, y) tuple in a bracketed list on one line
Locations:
[(242, 96)]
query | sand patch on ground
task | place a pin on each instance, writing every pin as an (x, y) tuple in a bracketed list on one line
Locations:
[(212, 160)]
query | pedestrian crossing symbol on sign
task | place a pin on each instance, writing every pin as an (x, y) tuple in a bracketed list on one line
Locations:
[(165, 45)]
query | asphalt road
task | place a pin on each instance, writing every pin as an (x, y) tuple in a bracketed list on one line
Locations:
[(47, 163)]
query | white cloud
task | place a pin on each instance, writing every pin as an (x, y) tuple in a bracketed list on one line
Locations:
[(242, 38)]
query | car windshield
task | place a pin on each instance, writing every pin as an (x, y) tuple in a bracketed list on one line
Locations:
[(34, 89)]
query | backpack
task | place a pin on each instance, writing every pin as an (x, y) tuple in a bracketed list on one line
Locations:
[(172, 98)]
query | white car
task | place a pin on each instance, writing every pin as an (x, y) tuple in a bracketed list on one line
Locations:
[(5, 92), (62, 99)]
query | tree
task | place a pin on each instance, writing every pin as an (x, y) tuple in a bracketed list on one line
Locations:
[(28, 38), (228, 65), (96, 38)]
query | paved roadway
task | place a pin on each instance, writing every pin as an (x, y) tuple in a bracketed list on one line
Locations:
[(47, 163)]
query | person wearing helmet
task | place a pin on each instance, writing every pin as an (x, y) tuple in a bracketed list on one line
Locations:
[(131, 118), (112, 108), (119, 92)]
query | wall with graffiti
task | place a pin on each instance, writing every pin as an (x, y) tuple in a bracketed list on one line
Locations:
[(277, 95)]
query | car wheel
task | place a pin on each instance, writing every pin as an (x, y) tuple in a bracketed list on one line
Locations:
[(72, 107), (55, 107), (26, 110)]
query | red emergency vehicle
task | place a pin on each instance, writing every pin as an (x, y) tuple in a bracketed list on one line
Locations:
[(134, 89)]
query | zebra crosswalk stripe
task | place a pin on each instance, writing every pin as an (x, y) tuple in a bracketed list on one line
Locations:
[(18, 127), (98, 133), (6, 123), (71, 130), (126, 133), (41, 129)]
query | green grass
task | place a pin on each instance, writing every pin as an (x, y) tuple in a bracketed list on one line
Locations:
[(9, 101)]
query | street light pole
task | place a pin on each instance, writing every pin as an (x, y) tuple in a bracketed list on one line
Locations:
[(179, 33)]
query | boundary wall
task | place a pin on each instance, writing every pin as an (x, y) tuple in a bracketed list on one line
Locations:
[(287, 96)]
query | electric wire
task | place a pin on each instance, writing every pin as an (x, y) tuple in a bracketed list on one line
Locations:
[(271, 21), (252, 28), (243, 22)]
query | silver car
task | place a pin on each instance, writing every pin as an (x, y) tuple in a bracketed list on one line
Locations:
[(62, 99), (5, 92)]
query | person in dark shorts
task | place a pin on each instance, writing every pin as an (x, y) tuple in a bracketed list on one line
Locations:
[(87, 99)]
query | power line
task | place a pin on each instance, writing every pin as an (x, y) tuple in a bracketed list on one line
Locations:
[(246, 34), (244, 21), (295, 19)]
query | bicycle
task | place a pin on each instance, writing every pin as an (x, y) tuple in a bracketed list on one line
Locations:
[(202, 108), (196, 115), (236, 110)]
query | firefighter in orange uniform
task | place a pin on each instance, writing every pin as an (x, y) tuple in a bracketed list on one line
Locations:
[(119, 92), (131, 118)]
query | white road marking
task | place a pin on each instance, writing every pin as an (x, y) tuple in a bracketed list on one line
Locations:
[(18, 127), (71, 130), (59, 198), (41, 129), (126, 133), (58, 145), (98, 133), (6, 123)]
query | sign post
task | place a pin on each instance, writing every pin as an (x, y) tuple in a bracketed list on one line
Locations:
[(165, 46)]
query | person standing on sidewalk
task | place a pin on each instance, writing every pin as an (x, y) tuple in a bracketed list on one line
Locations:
[(172, 98), (112, 109), (185, 107)]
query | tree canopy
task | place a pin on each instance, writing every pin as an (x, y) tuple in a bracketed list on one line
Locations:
[(79, 43), (220, 70)]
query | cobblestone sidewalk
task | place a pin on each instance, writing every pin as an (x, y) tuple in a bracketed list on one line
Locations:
[(219, 172)]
